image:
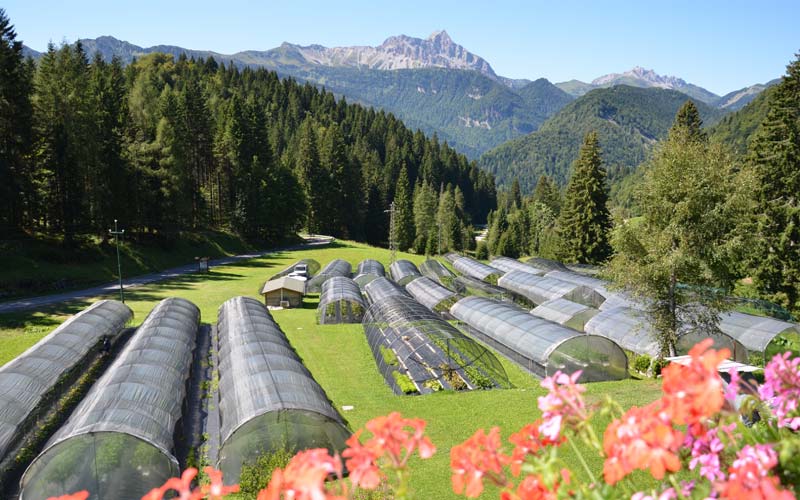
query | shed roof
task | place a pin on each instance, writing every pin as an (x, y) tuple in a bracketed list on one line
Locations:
[(286, 283)]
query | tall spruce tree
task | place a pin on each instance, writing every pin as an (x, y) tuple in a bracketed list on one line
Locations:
[(425, 201), (584, 221), (313, 177), (546, 192), (775, 156), (404, 214), (688, 119), (15, 128)]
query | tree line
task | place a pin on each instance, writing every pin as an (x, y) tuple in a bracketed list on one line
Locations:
[(710, 217), (167, 144)]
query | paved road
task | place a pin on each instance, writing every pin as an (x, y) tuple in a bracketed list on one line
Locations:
[(35, 302)]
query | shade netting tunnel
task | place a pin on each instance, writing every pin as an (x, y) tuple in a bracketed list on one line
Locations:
[(404, 271), (368, 270), (268, 400), (546, 264), (431, 294), (340, 302), (565, 312), (311, 264), (467, 285), (476, 269), (336, 267), (380, 288), (30, 381), (418, 352), (633, 331), (436, 271), (507, 265), (760, 334), (580, 279), (540, 289), (118, 442), (538, 345)]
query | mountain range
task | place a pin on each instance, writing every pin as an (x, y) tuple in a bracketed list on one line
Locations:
[(433, 84)]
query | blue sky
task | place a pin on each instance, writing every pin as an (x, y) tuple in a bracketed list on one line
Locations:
[(719, 45)]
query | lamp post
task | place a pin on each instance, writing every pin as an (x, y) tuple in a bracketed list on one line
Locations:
[(117, 234)]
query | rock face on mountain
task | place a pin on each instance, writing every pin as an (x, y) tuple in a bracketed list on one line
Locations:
[(640, 77), (400, 52)]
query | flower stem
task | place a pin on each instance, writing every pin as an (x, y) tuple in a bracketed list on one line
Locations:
[(580, 457)]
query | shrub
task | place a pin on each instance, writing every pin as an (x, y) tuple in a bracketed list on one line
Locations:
[(482, 251), (389, 357), (642, 363), (256, 476), (658, 365)]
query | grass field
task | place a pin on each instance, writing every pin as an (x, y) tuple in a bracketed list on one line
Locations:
[(340, 360)]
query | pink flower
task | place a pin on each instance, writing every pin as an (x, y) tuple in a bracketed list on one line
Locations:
[(81, 495), (706, 450), (304, 477), (749, 477), (781, 389), (563, 404), (477, 457)]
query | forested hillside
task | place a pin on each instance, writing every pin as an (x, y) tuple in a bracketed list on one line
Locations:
[(737, 129), (628, 121), (166, 145)]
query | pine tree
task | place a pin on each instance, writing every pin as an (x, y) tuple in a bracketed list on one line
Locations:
[(688, 120), (584, 221), (404, 214), (15, 128), (515, 196), (425, 201), (775, 156)]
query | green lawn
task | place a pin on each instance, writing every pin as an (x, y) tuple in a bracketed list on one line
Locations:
[(340, 360)]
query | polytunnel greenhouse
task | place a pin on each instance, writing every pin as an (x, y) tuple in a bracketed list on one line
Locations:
[(403, 271), (340, 302), (566, 313), (118, 442), (311, 264), (759, 334), (507, 265), (436, 271), (451, 257), (467, 285), (580, 279), (336, 267), (28, 383), (417, 352), (633, 331), (478, 270), (368, 270), (431, 294), (380, 288), (540, 289), (538, 345), (268, 400), (546, 264)]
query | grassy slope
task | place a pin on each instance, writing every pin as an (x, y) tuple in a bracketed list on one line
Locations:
[(37, 266), (340, 360)]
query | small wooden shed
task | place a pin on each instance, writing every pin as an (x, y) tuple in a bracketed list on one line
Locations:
[(284, 292)]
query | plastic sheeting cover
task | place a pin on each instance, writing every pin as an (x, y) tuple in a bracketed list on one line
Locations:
[(539, 345), (268, 399), (118, 442), (565, 312), (340, 302), (368, 270), (540, 289), (435, 270), (311, 264), (380, 288), (336, 267), (507, 265), (28, 378), (475, 269), (547, 264), (755, 332), (632, 330), (403, 271), (429, 293)]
